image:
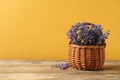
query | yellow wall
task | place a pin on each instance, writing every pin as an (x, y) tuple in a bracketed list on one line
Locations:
[(35, 29)]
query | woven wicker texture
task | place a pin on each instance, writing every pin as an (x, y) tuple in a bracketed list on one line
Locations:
[(86, 57)]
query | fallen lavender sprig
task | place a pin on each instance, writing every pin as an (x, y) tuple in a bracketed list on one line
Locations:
[(62, 66)]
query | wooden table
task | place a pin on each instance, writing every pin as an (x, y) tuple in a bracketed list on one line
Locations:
[(41, 70)]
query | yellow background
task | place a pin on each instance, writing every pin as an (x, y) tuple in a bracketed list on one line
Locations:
[(35, 29)]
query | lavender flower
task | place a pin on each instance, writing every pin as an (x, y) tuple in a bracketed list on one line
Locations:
[(83, 34), (62, 66)]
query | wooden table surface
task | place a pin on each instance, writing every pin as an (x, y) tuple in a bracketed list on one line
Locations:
[(41, 70)]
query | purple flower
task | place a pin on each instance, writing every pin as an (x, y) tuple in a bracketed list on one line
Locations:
[(82, 34), (63, 66), (83, 26), (101, 37)]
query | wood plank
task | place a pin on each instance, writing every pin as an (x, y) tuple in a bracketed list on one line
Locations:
[(41, 70)]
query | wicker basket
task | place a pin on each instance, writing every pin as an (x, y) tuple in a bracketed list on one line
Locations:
[(86, 57)]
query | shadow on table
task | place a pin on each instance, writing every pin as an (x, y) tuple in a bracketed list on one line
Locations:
[(111, 67)]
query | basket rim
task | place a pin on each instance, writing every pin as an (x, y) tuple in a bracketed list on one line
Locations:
[(87, 46)]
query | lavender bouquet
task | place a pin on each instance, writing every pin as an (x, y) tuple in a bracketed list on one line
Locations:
[(84, 34)]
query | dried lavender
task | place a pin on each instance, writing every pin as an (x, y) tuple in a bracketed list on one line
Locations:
[(83, 34), (62, 66)]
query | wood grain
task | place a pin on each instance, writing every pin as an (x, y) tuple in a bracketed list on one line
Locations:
[(41, 70)]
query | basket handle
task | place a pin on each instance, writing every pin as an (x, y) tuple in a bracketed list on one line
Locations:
[(88, 23)]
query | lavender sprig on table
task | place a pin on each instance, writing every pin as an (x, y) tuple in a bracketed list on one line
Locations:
[(62, 66)]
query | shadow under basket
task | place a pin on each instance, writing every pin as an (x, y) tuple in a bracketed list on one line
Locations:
[(86, 57)]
